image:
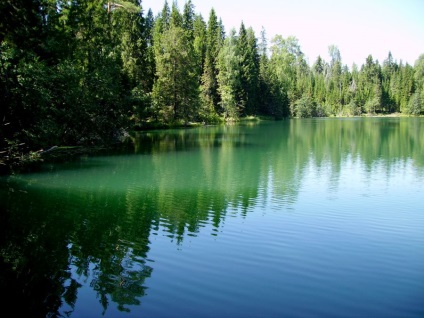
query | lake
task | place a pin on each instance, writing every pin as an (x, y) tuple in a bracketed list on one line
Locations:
[(292, 218)]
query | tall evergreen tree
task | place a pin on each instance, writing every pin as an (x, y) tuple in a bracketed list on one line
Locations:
[(175, 92), (188, 18), (370, 87), (229, 77), (419, 84), (199, 44), (319, 90), (334, 84), (318, 66), (165, 16), (129, 28), (407, 87), (150, 56), (209, 89), (273, 98), (176, 18), (264, 94), (388, 71), (249, 70)]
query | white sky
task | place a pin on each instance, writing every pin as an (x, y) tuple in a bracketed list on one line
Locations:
[(357, 27)]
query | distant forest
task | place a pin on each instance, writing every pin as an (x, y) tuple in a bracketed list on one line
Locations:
[(86, 72)]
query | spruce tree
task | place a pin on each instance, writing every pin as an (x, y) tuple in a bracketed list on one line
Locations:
[(188, 18), (199, 44), (229, 77), (175, 91), (209, 88), (249, 70)]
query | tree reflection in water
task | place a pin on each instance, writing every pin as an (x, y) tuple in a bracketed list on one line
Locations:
[(87, 224)]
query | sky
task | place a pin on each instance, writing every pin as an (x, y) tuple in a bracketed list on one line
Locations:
[(357, 27)]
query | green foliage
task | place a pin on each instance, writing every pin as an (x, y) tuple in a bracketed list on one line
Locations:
[(85, 72), (415, 105), (286, 57), (199, 45), (249, 71), (126, 5), (71, 85), (352, 109), (306, 107), (229, 77), (176, 18), (419, 72), (405, 86), (389, 70), (209, 88), (370, 86), (188, 18), (175, 92)]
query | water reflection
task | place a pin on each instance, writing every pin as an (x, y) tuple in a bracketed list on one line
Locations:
[(88, 225)]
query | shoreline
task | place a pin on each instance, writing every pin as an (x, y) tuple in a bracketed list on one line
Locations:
[(68, 153)]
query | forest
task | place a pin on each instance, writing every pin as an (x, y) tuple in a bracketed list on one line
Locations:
[(88, 72)]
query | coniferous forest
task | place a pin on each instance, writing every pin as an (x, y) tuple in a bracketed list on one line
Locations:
[(86, 72)]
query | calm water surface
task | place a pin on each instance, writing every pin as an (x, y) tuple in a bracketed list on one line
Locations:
[(297, 218)]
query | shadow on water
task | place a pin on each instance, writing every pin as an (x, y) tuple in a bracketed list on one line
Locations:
[(189, 140)]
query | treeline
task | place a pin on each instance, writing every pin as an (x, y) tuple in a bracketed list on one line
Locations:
[(86, 72)]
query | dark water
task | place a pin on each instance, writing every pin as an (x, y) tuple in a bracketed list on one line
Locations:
[(297, 218)]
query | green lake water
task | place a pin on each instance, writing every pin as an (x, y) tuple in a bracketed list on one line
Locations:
[(293, 218)]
